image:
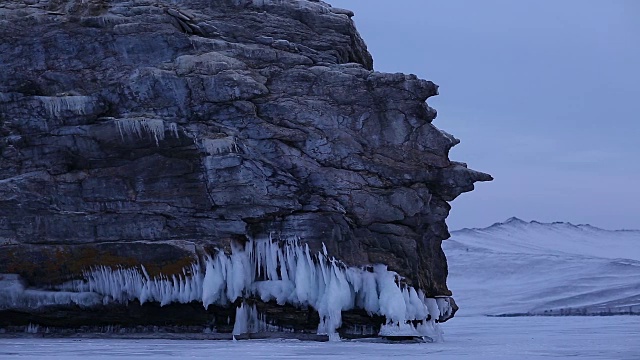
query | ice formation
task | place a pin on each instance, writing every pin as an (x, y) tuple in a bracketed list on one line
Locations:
[(249, 320), (55, 105), (32, 329), (14, 295), (138, 127), (286, 272), (282, 271), (219, 146)]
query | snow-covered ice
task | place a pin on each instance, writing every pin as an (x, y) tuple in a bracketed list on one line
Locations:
[(531, 267), (475, 338), (516, 236)]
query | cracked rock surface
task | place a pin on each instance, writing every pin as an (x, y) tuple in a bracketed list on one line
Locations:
[(153, 131)]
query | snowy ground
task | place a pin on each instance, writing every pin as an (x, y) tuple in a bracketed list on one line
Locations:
[(478, 338)]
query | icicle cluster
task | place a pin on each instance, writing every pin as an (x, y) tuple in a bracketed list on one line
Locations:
[(285, 272), (123, 285), (14, 295), (55, 105), (249, 320), (138, 127)]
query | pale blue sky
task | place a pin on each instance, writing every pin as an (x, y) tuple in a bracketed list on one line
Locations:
[(544, 94)]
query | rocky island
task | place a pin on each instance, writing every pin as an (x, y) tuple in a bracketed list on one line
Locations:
[(229, 166)]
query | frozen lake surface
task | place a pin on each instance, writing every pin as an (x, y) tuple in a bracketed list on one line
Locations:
[(616, 337), (531, 267)]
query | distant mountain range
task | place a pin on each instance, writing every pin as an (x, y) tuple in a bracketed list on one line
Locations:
[(532, 268)]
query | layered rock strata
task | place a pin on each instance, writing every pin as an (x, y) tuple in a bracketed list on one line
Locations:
[(154, 134)]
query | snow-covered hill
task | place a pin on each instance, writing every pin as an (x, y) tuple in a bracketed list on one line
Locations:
[(519, 267)]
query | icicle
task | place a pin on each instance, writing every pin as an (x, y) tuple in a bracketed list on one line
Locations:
[(444, 306), (32, 328), (392, 303), (241, 325), (214, 280), (248, 320), (173, 127)]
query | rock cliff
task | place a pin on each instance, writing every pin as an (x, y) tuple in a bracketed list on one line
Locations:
[(157, 132)]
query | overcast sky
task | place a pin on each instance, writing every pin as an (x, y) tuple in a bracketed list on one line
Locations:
[(544, 94)]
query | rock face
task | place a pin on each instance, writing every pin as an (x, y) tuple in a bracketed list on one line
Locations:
[(154, 132)]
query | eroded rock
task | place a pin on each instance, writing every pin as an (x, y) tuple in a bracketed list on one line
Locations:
[(155, 132)]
